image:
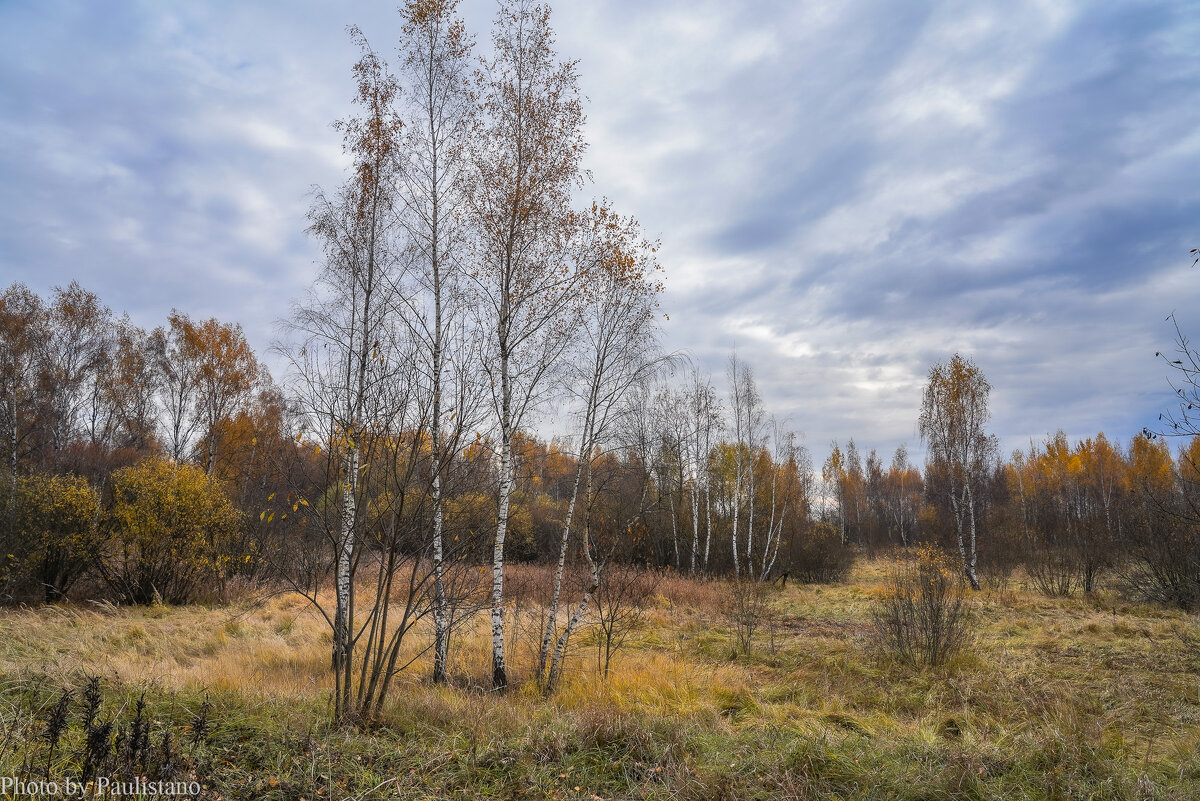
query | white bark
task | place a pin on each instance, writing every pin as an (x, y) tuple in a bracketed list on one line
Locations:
[(499, 670), (342, 616)]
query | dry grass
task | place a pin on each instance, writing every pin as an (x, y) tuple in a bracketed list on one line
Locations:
[(1107, 694)]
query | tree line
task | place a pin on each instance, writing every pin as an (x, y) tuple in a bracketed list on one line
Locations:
[(1069, 514)]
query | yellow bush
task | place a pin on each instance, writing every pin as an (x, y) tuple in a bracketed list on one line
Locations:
[(54, 520), (172, 532)]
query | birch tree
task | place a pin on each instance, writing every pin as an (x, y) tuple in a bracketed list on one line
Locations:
[(340, 361), (633, 433), (835, 478), (704, 411), (747, 410), (77, 340), (954, 411), (785, 493), (129, 387), (435, 54), (670, 428), (617, 350), (902, 488), (526, 165), (178, 369), (22, 337)]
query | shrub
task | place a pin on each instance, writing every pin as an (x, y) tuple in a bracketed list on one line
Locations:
[(922, 615), (622, 597), (56, 518), (818, 556), (1053, 571), (172, 528), (746, 611), (51, 537), (1163, 563)]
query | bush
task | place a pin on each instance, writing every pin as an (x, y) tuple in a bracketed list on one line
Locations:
[(922, 616), (818, 556), (1053, 571), (746, 611), (1163, 563), (51, 537), (172, 532), (56, 518), (622, 597), (1158, 574)]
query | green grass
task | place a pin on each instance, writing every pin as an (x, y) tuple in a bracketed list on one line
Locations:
[(1057, 698)]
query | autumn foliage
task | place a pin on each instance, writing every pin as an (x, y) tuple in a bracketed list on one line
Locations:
[(170, 530)]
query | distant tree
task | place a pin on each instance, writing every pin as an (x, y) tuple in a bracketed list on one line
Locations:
[(1162, 534), (784, 464), (854, 493), (177, 358), (837, 484), (78, 335), (704, 410), (954, 411), (22, 339), (129, 388), (227, 372), (748, 424), (902, 488)]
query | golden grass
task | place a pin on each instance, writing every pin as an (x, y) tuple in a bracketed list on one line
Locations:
[(1094, 673)]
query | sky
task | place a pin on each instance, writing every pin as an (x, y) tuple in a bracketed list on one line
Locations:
[(845, 192)]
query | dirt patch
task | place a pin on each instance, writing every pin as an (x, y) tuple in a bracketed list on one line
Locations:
[(825, 627)]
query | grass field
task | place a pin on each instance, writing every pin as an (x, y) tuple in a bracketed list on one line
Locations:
[(1057, 698)]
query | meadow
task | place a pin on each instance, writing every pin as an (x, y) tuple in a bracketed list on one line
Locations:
[(1055, 698)]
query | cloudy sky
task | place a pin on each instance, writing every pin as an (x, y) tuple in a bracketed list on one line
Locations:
[(846, 192)]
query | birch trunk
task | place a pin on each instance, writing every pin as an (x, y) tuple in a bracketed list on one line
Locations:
[(737, 503), (707, 523), (972, 575), (441, 626), (552, 613), (343, 621), (674, 528), (750, 514), (695, 493), (560, 647), (499, 674)]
